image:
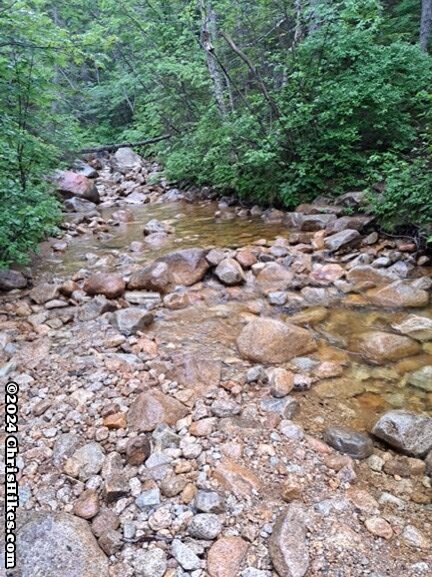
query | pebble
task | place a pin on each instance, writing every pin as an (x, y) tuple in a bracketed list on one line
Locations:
[(185, 556), (205, 526)]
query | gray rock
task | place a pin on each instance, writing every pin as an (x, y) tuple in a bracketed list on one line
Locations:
[(286, 407), (64, 447), (85, 462), (125, 160), (148, 498), (256, 373), (225, 408), (95, 308), (150, 563), (205, 526), (428, 463), (287, 544), (422, 379), (415, 326), (341, 239), (409, 432), (349, 442), (185, 556), (81, 206), (130, 321), (57, 545), (209, 502), (229, 272), (12, 279)]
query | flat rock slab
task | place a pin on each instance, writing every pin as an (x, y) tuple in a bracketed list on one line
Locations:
[(287, 544), (409, 432), (57, 545)]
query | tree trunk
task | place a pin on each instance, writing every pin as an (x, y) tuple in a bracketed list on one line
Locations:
[(208, 37), (425, 24)]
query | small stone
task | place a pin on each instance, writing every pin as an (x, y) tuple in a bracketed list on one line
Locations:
[(115, 421), (356, 445), (85, 462), (205, 526), (281, 382), (185, 556), (110, 542), (225, 408), (256, 374), (229, 272), (379, 527), (148, 498), (87, 505), (287, 545), (413, 537), (150, 563), (104, 521), (209, 502), (225, 557), (375, 463), (173, 486), (291, 490), (138, 450)]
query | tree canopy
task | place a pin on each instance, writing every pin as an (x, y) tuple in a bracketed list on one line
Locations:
[(278, 101)]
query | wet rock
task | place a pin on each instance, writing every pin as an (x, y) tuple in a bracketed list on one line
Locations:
[(124, 215), (70, 183), (341, 239), (185, 556), (274, 277), (349, 442), (155, 226), (287, 544), (85, 462), (151, 409), (138, 450), (365, 276), (183, 267), (416, 327), (209, 502), (125, 160), (205, 526), (327, 273), (57, 544), (225, 557), (408, 432), (265, 340), (12, 279), (246, 258), (229, 272), (110, 285), (400, 294), (378, 347), (422, 379), (150, 563), (131, 320), (87, 505)]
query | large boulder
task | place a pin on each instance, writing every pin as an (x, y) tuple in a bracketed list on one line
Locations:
[(399, 294), (12, 279), (287, 545), (152, 408), (415, 326), (266, 340), (71, 183), (182, 267), (408, 432), (108, 284), (229, 272), (379, 348), (57, 545), (125, 160)]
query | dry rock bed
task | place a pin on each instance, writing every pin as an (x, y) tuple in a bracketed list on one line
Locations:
[(208, 389)]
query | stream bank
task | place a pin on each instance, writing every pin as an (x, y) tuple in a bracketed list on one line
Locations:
[(186, 366)]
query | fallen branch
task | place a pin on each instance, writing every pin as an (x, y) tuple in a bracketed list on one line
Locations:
[(114, 147)]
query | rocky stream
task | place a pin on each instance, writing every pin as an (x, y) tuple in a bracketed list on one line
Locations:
[(212, 389)]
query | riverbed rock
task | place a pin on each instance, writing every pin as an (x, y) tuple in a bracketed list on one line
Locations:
[(274, 277), (225, 557), (406, 431), (183, 267), (229, 272), (366, 276), (12, 279), (315, 222), (416, 327), (44, 292), (81, 206), (152, 408), (399, 294), (131, 320), (355, 222), (341, 239), (349, 442), (379, 348), (422, 379), (125, 160), (266, 340), (287, 544), (108, 284), (69, 183), (57, 545)]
